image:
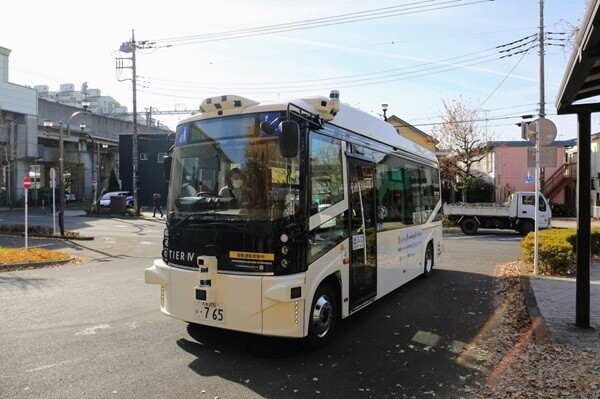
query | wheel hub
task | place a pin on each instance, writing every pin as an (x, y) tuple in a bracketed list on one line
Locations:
[(322, 316)]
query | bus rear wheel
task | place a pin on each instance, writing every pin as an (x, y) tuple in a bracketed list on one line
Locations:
[(324, 315)]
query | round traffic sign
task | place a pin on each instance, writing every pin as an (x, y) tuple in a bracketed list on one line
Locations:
[(26, 182), (546, 129)]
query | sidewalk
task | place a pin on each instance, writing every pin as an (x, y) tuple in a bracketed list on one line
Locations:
[(556, 297)]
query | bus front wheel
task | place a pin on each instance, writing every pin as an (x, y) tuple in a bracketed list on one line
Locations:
[(428, 261), (324, 314)]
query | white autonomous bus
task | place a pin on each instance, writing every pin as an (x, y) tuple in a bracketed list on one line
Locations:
[(284, 218)]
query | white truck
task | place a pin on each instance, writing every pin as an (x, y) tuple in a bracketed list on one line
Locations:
[(518, 213)]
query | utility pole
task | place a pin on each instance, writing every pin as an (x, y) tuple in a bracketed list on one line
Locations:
[(541, 39), (542, 112), (130, 47)]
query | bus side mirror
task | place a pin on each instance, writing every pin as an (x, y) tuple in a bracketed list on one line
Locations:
[(167, 160), (289, 139)]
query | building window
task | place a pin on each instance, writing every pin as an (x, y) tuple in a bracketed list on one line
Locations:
[(161, 157), (143, 156)]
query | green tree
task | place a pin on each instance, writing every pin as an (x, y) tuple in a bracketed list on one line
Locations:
[(480, 190), (113, 182)]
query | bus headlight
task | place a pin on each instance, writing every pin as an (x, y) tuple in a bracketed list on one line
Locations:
[(285, 250), (284, 238), (284, 263)]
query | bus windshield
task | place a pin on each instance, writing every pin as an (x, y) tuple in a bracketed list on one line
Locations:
[(229, 168)]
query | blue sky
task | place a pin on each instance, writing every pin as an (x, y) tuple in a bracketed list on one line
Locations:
[(427, 53)]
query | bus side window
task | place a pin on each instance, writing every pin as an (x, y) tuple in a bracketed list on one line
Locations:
[(326, 178)]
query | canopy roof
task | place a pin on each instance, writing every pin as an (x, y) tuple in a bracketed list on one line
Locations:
[(582, 75)]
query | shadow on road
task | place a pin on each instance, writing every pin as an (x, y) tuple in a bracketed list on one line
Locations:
[(407, 343)]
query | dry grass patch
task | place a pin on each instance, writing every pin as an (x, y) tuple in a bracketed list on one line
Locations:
[(10, 256)]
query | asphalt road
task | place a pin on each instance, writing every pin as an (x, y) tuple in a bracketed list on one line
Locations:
[(94, 330)]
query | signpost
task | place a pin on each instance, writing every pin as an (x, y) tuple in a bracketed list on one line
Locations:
[(541, 132), (26, 186)]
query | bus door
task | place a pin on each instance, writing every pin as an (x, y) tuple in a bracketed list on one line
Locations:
[(362, 232)]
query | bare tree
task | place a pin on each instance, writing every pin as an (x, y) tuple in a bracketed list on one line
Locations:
[(464, 141)]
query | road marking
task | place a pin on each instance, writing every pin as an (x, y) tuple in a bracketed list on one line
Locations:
[(468, 355), (41, 245), (426, 338), (42, 368), (147, 243), (92, 330)]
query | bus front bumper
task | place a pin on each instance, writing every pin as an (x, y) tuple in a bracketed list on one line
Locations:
[(265, 305)]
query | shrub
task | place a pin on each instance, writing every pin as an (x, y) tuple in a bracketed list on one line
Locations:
[(555, 251), (594, 240), (561, 210), (33, 230)]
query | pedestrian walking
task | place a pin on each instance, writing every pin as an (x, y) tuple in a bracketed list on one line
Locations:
[(156, 203)]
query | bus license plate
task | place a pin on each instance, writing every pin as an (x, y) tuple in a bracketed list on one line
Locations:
[(210, 311)]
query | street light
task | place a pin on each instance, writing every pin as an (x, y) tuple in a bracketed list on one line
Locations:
[(61, 148), (384, 107), (82, 126), (48, 124)]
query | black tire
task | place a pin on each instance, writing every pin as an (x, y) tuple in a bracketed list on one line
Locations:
[(526, 226), (324, 315), (469, 226), (428, 261)]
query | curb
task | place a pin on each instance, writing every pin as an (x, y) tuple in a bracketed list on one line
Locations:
[(538, 324), (76, 238), (33, 265)]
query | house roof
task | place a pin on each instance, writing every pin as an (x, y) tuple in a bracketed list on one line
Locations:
[(582, 75), (403, 123), (527, 143)]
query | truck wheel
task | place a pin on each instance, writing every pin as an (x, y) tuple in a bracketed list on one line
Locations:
[(324, 315), (526, 226), (469, 226)]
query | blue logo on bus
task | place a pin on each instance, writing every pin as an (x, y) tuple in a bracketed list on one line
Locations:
[(183, 135), (269, 124)]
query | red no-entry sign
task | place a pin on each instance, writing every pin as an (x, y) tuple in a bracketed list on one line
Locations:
[(26, 182)]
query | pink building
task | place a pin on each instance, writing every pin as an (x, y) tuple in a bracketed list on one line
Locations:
[(506, 166)]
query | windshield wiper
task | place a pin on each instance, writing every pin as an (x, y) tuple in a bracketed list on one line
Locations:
[(213, 222), (187, 218)]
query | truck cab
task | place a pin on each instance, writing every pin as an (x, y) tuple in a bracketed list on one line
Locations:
[(522, 209)]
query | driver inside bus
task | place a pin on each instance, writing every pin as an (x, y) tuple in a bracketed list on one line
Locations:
[(187, 189), (233, 188)]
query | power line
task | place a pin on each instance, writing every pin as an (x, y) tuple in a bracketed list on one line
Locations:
[(379, 13), (378, 77)]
